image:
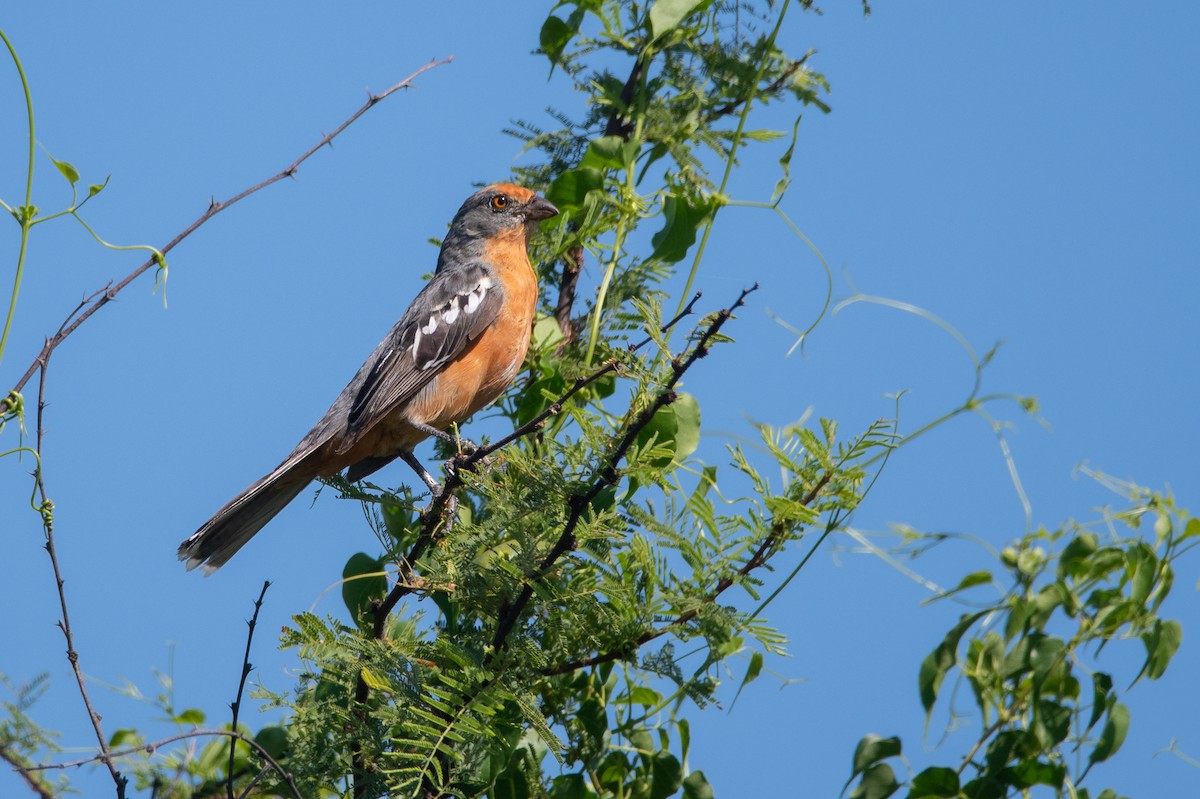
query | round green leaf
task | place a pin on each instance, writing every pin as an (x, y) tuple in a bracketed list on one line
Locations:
[(363, 580), (667, 775), (696, 786), (273, 740)]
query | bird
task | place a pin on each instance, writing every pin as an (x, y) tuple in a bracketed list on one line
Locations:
[(455, 350)]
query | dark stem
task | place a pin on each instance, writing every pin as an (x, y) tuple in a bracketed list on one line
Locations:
[(246, 668), (755, 561), (433, 524), (151, 748), (776, 85), (608, 474), (618, 123), (572, 266), (64, 623)]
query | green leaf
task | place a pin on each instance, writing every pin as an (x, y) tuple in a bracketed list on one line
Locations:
[(1046, 654), (606, 152), (555, 35), (373, 680), (569, 190), (878, 782), (666, 775), (683, 217), (696, 786), (752, 672), (1101, 686), (1162, 642), (665, 15), (569, 786), (124, 736), (935, 781), (970, 581), (1032, 772), (1190, 530), (363, 580), (660, 432), (785, 163), (938, 663), (397, 520), (546, 332), (67, 171), (1052, 723), (687, 425), (1073, 559), (641, 695), (274, 740), (871, 749), (1113, 735), (191, 716), (1141, 571)]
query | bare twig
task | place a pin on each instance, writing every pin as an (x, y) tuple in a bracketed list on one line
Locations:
[(246, 667), (609, 474), (151, 748), (64, 623), (105, 295)]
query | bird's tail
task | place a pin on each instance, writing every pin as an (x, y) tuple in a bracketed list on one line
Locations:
[(236, 523)]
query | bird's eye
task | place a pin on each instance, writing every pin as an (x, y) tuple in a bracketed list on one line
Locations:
[(499, 202)]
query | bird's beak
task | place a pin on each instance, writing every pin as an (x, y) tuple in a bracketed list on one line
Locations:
[(540, 208)]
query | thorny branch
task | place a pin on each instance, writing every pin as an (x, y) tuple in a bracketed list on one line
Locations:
[(432, 518), (246, 668), (776, 85), (107, 294), (77, 317), (151, 748), (64, 623), (755, 561), (609, 473)]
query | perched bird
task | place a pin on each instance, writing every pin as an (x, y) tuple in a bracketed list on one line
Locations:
[(456, 348)]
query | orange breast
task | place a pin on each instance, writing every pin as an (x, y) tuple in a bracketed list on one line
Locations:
[(481, 374)]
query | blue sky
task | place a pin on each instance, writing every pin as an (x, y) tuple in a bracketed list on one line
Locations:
[(1026, 171)]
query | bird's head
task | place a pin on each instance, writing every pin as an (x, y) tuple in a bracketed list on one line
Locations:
[(497, 210)]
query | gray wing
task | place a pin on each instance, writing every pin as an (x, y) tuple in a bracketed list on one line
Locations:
[(453, 310)]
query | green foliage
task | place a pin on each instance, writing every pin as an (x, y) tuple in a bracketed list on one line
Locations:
[(1046, 709), (547, 635)]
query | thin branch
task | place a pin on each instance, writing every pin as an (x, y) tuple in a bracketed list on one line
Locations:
[(534, 424), (215, 207), (609, 474), (151, 748), (246, 668), (756, 560), (432, 520), (776, 85), (31, 781), (64, 622)]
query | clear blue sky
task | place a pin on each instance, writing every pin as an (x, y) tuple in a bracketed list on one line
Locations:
[(1026, 171)]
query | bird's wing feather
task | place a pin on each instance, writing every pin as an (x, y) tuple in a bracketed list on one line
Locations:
[(453, 310)]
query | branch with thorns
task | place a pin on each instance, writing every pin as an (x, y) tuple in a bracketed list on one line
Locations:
[(84, 310), (151, 748)]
